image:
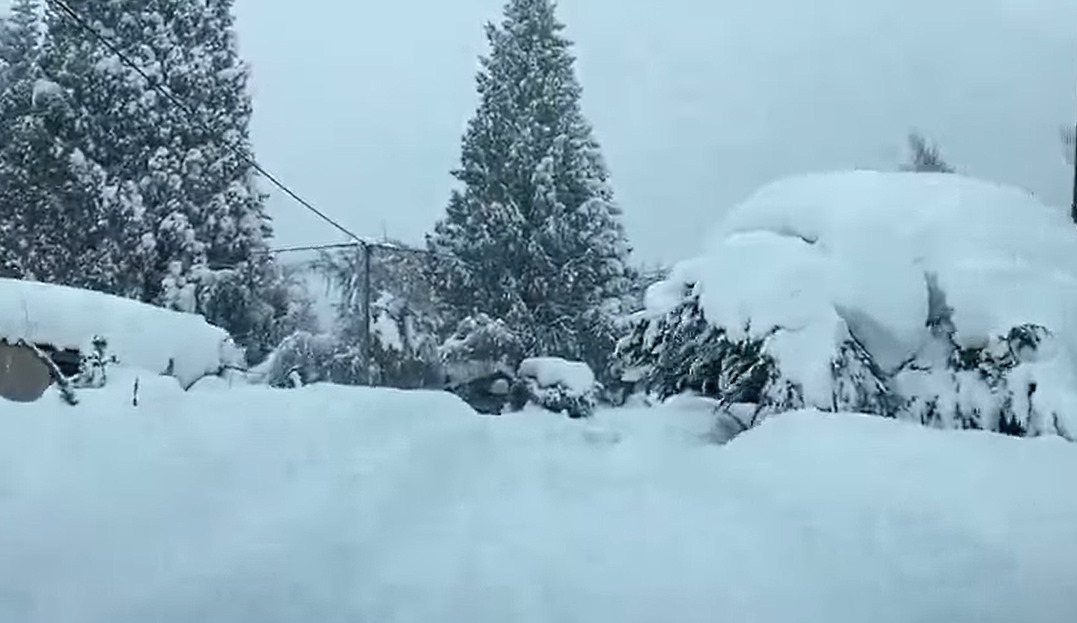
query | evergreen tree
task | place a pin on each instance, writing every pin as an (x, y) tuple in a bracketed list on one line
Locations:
[(924, 157), (202, 243), (20, 34), (59, 214), (533, 236)]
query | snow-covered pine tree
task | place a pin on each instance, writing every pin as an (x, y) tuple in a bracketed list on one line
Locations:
[(205, 227), (19, 50), (60, 217), (533, 236), (924, 157)]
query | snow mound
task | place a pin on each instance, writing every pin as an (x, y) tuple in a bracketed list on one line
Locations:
[(1002, 257), (352, 504), (139, 335), (814, 263), (574, 376)]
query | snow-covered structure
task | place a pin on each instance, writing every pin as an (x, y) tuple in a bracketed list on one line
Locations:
[(938, 298), (140, 336)]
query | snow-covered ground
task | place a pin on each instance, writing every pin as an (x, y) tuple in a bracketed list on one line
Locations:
[(350, 504)]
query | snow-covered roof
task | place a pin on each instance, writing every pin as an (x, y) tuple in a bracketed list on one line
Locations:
[(139, 335)]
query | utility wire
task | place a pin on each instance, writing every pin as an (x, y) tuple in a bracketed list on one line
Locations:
[(313, 247), (71, 15)]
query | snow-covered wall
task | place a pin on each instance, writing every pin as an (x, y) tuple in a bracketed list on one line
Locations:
[(809, 262), (139, 335)]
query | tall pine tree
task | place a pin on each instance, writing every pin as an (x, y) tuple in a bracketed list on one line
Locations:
[(203, 236), (533, 235)]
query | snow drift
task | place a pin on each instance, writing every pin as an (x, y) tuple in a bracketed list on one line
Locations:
[(139, 335), (929, 296), (342, 504)]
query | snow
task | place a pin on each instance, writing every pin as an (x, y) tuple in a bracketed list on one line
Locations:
[(822, 255), (43, 90), (387, 332), (574, 376), (352, 504), (141, 336)]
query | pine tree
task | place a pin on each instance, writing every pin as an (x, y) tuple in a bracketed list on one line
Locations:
[(924, 157), (533, 236), (202, 244), (59, 212)]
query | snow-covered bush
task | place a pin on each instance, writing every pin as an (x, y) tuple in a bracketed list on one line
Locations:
[(404, 345), (934, 298), (302, 358), (93, 365), (559, 385), (479, 347)]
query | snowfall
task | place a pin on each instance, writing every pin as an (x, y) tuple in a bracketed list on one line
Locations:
[(237, 503)]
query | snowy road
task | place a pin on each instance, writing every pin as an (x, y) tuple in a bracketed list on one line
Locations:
[(333, 504)]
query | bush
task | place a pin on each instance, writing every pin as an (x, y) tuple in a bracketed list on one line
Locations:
[(479, 347), (992, 387), (559, 385), (302, 358)]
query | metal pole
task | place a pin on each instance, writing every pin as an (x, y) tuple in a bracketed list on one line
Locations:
[(367, 346)]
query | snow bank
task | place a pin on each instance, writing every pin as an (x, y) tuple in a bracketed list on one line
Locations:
[(141, 336), (812, 262), (351, 504)]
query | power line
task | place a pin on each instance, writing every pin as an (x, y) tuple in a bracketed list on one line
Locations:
[(314, 247), (66, 11)]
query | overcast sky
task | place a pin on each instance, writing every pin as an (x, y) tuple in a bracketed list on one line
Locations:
[(360, 105)]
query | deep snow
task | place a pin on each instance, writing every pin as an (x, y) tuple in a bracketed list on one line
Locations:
[(350, 504)]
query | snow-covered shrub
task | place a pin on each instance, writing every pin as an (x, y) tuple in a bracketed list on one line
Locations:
[(404, 345), (259, 303), (93, 365), (480, 346), (302, 358), (680, 352), (933, 298), (559, 385)]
